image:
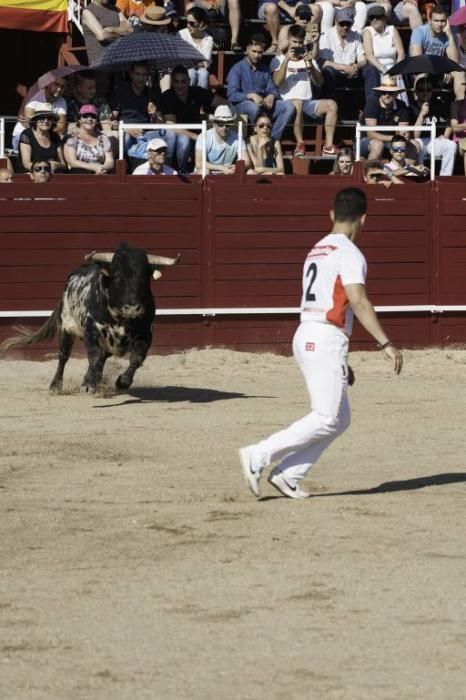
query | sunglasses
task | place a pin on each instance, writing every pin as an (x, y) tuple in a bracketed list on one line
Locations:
[(158, 150), (44, 119), (399, 149), (225, 124), (42, 169), (345, 24), (190, 23), (392, 93), (264, 125)]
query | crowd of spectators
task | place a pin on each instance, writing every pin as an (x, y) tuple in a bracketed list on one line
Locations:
[(310, 62)]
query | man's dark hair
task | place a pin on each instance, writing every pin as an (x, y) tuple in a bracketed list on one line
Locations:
[(439, 10), (199, 14), (257, 39), (297, 32), (372, 165), (350, 204), (180, 69), (139, 64), (87, 75), (398, 139)]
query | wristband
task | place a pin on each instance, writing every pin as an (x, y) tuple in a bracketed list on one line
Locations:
[(385, 345)]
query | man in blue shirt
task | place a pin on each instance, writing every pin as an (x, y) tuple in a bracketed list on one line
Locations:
[(251, 89), (434, 38)]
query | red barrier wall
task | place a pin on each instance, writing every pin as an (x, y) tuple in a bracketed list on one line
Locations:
[(242, 242)]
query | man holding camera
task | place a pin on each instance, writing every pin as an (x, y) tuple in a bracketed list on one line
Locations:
[(294, 74)]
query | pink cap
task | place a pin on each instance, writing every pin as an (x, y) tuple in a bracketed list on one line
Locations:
[(89, 109)]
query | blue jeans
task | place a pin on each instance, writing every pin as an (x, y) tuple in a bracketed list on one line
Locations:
[(166, 134), (282, 114)]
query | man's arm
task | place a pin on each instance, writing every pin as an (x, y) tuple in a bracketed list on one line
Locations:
[(280, 74), (365, 313), (235, 92)]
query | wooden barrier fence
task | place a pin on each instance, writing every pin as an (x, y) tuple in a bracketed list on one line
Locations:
[(242, 242)]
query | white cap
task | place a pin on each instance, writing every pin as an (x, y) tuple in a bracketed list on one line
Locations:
[(155, 144), (224, 114)]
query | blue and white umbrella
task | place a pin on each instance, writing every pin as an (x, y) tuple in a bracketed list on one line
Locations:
[(162, 51)]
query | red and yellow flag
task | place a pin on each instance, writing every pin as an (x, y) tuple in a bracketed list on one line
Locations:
[(34, 15)]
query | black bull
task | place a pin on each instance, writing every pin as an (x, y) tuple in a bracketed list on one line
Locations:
[(109, 304)]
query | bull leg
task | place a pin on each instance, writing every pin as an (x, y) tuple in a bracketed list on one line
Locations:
[(93, 376), (137, 357), (64, 351)]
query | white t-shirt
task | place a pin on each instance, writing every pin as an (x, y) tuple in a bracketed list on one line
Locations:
[(205, 45), (297, 84), (58, 107), (333, 263), (144, 169)]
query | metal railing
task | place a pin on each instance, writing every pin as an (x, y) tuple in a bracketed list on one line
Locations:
[(396, 130)]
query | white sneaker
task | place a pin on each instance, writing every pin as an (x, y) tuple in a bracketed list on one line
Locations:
[(251, 470), (279, 482)]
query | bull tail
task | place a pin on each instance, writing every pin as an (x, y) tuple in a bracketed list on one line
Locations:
[(27, 337)]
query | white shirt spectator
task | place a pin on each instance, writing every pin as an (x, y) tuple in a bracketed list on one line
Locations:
[(58, 107), (332, 50), (383, 46), (219, 151), (297, 84), (145, 169), (205, 45)]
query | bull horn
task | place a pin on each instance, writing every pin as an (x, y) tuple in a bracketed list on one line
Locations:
[(156, 274), (158, 260), (99, 257)]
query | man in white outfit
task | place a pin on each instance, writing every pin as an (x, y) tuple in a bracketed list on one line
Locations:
[(334, 288)]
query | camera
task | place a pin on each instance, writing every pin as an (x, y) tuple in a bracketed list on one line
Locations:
[(299, 51)]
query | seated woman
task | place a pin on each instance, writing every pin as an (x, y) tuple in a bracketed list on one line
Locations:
[(344, 162), (196, 34), (90, 151), (382, 42), (40, 142), (265, 153), (458, 126)]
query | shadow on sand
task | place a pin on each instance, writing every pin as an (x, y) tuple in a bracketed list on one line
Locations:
[(179, 394)]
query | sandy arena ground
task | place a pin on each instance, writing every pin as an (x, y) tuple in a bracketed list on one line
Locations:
[(135, 565)]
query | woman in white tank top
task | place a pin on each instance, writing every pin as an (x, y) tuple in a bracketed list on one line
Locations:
[(382, 43)]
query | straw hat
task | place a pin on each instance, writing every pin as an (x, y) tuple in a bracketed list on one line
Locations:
[(155, 15), (388, 83), (44, 109)]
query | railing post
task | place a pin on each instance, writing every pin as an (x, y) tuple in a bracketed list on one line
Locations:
[(2, 137), (358, 142)]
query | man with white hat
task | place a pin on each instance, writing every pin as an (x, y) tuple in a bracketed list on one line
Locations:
[(156, 157), (222, 144), (383, 109)]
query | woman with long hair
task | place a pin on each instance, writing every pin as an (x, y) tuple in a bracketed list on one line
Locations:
[(89, 151), (265, 153), (40, 141), (344, 162)]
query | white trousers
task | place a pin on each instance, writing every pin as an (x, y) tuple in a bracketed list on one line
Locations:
[(321, 351), (444, 148)]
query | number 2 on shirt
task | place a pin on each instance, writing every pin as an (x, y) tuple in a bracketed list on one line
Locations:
[(312, 272)]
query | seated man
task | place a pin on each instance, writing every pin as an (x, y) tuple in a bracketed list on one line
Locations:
[(423, 111), (156, 157), (398, 165), (342, 57), (251, 89), (85, 93), (222, 145), (383, 109), (216, 10), (294, 74), (52, 94), (182, 104), (41, 171), (434, 38), (136, 103)]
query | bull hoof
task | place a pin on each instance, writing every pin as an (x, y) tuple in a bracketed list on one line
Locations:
[(56, 387), (86, 389), (123, 382)]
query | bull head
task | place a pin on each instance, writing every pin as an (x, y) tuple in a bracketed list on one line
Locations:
[(155, 261)]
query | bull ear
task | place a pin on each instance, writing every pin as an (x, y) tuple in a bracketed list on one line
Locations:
[(156, 274)]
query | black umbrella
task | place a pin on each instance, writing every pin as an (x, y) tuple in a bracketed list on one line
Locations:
[(162, 51), (424, 64)]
